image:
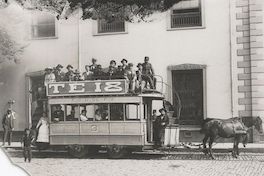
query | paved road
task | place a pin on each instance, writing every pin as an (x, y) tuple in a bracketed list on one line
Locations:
[(151, 164)]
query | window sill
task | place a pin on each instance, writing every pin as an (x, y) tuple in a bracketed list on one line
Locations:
[(109, 33), (190, 127), (186, 28), (44, 38)]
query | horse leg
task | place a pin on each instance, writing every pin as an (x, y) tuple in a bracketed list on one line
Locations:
[(234, 152), (237, 148), (212, 138), (205, 151)]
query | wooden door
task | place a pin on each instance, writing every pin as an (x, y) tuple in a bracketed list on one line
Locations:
[(189, 85)]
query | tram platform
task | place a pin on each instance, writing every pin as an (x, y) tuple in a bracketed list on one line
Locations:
[(193, 147)]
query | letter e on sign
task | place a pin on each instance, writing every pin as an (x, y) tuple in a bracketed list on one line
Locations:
[(113, 87), (76, 87)]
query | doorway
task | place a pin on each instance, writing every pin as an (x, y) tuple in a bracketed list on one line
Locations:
[(36, 97), (189, 84)]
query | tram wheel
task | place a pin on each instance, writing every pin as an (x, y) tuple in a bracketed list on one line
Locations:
[(78, 151), (116, 151)]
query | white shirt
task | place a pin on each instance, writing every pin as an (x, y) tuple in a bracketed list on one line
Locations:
[(83, 118)]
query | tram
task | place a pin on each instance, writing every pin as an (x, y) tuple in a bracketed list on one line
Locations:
[(117, 120)]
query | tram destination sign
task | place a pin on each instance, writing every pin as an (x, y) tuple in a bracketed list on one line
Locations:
[(98, 87)]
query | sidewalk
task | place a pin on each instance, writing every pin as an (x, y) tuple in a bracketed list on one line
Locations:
[(194, 147)]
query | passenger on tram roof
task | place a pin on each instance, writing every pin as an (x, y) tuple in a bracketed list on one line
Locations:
[(140, 82), (99, 74), (49, 76), (87, 75), (111, 73), (130, 75), (77, 75), (148, 71), (59, 74), (119, 72), (69, 76), (83, 116), (124, 65), (93, 67)]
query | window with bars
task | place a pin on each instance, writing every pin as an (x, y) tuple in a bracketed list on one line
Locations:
[(186, 13), (115, 26), (43, 26)]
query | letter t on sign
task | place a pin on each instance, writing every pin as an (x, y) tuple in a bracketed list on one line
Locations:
[(56, 87)]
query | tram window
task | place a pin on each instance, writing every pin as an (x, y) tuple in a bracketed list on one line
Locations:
[(116, 112), (57, 113), (132, 112), (101, 112), (86, 112), (72, 113)]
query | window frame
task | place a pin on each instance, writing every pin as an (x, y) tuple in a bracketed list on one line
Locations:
[(96, 33), (170, 12), (33, 18)]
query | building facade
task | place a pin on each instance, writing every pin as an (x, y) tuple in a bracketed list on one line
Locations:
[(209, 51)]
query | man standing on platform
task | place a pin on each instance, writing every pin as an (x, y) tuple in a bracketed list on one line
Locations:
[(148, 73), (159, 127), (8, 126)]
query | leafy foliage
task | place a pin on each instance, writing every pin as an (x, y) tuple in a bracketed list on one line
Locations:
[(128, 10), (9, 49)]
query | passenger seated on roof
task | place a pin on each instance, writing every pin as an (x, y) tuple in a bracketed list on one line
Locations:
[(93, 67), (88, 74), (111, 73), (140, 82), (130, 76), (98, 73), (119, 74), (77, 76), (69, 76), (113, 65), (124, 65)]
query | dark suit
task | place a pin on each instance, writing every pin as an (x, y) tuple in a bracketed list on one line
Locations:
[(8, 125), (159, 126)]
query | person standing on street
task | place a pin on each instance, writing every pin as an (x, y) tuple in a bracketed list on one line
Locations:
[(8, 126), (27, 139)]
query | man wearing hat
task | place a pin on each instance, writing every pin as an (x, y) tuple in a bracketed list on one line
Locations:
[(69, 76), (49, 76), (159, 126), (59, 75), (124, 64), (148, 71), (8, 126), (77, 76)]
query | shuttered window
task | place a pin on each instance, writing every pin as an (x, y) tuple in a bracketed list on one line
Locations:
[(186, 13), (115, 26), (43, 26)]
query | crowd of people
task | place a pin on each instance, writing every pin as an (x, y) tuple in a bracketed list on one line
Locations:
[(138, 79)]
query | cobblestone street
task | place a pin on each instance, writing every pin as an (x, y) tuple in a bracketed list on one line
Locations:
[(191, 164)]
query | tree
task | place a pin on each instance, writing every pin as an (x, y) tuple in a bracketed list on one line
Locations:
[(9, 49), (128, 10)]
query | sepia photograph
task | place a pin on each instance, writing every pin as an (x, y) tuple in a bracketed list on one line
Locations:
[(132, 87)]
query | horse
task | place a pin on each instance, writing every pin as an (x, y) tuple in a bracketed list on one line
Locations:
[(236, 127)]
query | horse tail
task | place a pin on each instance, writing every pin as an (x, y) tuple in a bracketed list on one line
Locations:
[(204, 126)]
